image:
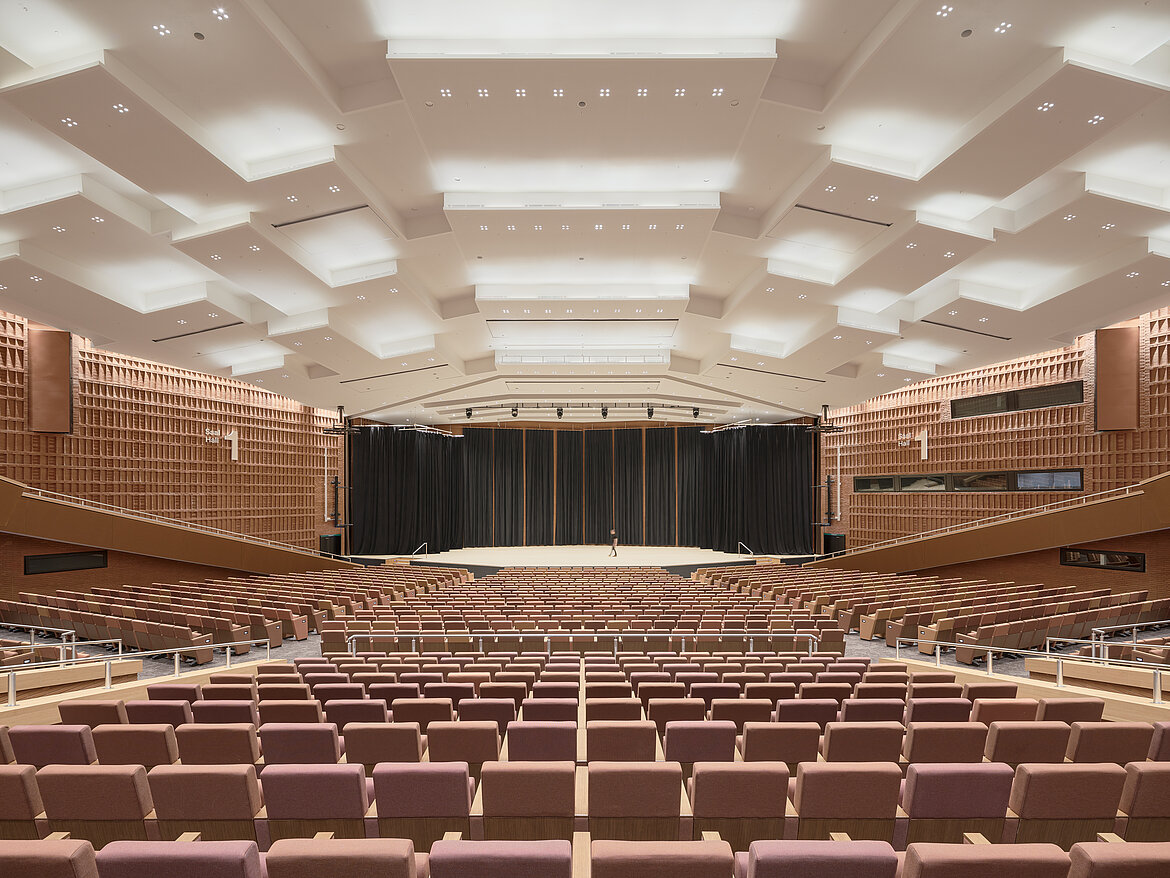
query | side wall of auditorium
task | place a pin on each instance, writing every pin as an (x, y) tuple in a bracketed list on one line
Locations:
[(151, 438), (879, 440)]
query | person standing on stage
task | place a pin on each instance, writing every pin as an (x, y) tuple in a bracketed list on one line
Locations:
[(613, 543)]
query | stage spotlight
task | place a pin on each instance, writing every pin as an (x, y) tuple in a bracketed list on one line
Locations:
[(468, 413), (560, 412), (649, 412), (513, 411), (695, 412), (604, 413)]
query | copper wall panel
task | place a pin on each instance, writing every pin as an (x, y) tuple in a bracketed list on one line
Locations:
[(1118, 359), (50, 381)]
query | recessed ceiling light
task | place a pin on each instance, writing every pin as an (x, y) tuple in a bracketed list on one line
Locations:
[(952, 313), (121, 108), (3, 287), (564, 227), (837, 337), (162, 30), (537, 228), (548, 310), (679, 227), (220, 13), (598, 227), (521, 92), (404, 364), (802, 296), (68, 122), (680, 92), (361, 298), (284, 375), (659, 310), (760, 363), (1166, 283), (482, 92), (212, 313), (716, 92), (652, 226), (830, 188), (507, 311), (393, 289), (483, 228), (625, 227), (328, 338), (907, 379), (1046, 106), (181, 322), (944, 11), (1134, 274), (950, 254), (292, 199), (769, 289), (1108, 226), (568, 310), (643, 92), (255, 248), (97, 219), (871, 198), (603, 92), (911, 246), (216, 257), (984, 319), (58, 228), (595, 310), (1003, 27), (334, 188), (1096, 120), (444, 92), (881, 374), (869, 341), (1069, 217), (35, 278), (298, 344), (511, 228), (558, 92)]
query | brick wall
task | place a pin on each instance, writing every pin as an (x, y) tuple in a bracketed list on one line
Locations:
[(140, 441), (1052, 438)]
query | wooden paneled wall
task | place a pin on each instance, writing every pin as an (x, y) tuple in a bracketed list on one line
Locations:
[(140, 440), (1061, 437)]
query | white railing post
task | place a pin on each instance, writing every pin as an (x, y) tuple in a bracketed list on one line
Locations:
[(938, 655), (12, 688), (227, 657), (989, 662), (176, 664), (1157, 686), (108, 684), (1059, 673)]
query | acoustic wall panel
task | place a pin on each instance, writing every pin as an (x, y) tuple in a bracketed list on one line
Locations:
[(50, 380), (1118, 358)]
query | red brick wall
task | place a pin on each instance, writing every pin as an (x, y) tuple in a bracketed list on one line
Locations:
[(123, 569), (1045, 567)]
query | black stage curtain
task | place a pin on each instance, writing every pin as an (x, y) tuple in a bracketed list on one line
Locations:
[(598, 486), (406, 489), (694, 513), (570, 500), (477, 486), (539, 477), (627, 486), (508, 461), (660, 494)]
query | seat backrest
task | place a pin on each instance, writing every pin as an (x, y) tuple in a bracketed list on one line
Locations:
[(847, 789), (174, 692), (300, 743), (500, 859), (94, 792), (549, 709), (660, 859), (464, 741), (20, 797), (175, 711), (988, 710), (1016, 742), (6, 755), (1147, 789), (218, 743), (862, 742), (709, 741), (542, 741), (424, 789), (520, 789), (204, 792), (1067, 791), (620, 741), (146, 744), (315, 792), (198, 859), (295, 711), (957, 790), (781, 742), (1159, 744), (225, 712), (52, 745), (635, 789), (933, 860), (739, 789), (1109, 742), (944, 742), (48, 859), (941, 710), (92, 713), (371, 743), (821, 859), (315, 857), (1071, 710), (1132, 860)]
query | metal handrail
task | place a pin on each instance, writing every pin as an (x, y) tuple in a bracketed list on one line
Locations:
[(420, 546), (1097, 635), (983, 522), (173, 522), (108, 661), (547, 636), (745, 545), (1033, 653), (32, 635)]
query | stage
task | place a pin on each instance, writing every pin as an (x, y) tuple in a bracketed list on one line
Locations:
[(675, 558)]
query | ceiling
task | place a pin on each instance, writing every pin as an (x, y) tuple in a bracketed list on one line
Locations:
[(750, 209)]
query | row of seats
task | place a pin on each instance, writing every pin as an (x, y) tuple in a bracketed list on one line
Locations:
[(459, 858), (744, 802)]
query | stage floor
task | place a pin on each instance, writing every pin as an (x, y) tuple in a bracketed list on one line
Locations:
[(579, 556)]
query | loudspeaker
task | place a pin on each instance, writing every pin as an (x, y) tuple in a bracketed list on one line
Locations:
[(834, 543), (330, 544)]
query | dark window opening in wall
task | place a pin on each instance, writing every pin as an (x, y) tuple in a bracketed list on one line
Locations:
[(873, 485), (1103, 559), (922, 483), (1069, 393), (980, 482), (1055, 480), (63, 562)]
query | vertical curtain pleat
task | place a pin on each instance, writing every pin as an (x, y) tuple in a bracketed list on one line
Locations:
[(627, 486), (508, 460), (598, 486), (476, 446), (539, 478), (570, 499), (660, 487)]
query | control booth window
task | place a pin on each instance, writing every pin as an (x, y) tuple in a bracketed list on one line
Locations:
[(1103, 559), (923, 483), (873, 484)]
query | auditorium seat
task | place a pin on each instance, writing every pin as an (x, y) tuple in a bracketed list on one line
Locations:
[(343, 711), (660, 859), (344, 857), (20, 802), (858, 798), (790, 743), (143, 744), (1112, 860), (301, 800), (945, 800), (742, 801), (1063, 804), (423, 711), (519, 800), (1145, 800), (821, 711), (931, 860), (872, 710), (742, 710), (1116, 742), (6, 755), (549, 709), (56, 858), (817, 859), (663, 710), (471, 742), (218, 744), (199, 859), (370, 743), (989, 710), (422, 801), (501, 711), (191, 692), (300, 743), (500, 859), (100, 803), (1071, 710), (92, 713), (295, 711), (613, 709), (990, 689), (862, 742), (175, 712), (629, 741), (1017, 742), (938, 710), (639, 801), (52, 745), (219, 801), (228, 692), (690, 742), (541, 741)]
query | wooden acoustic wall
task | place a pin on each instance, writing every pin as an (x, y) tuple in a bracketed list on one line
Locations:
[(151, 438), (877, 437)]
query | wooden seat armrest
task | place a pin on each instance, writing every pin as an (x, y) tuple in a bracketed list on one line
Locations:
[(974, 838), (453, 835), (1110, 838), (190, 836), (582, 862)]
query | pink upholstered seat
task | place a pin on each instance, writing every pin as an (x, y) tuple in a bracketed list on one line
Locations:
[(660, 859), (52, 745), (928, 860), (343, 858), (500, 859), (200, 859), (70, 858), (817, 859), (542, 741)]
